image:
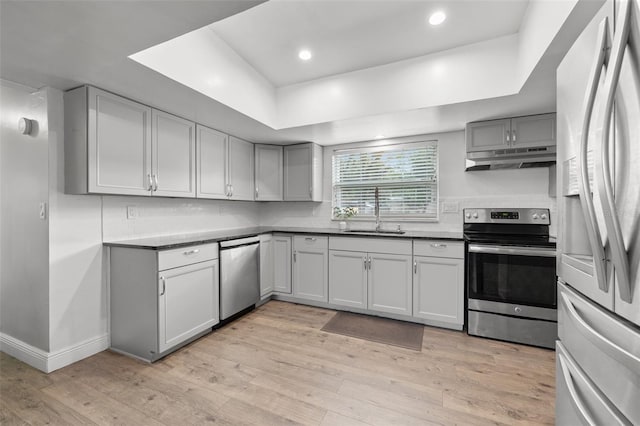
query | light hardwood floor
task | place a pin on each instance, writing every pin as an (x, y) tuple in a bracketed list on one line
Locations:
[(274, 366)]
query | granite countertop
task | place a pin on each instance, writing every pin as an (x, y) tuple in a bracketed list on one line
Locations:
[(174, 241)]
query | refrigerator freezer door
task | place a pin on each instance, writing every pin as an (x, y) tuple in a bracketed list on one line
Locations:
[(578, 399), (606, 350)]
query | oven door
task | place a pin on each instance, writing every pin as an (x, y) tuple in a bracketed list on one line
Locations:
[(512, 274)]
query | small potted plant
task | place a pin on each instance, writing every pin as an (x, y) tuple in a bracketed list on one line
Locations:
[(344, 213)]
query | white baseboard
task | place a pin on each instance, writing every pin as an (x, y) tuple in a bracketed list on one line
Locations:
[(35, 357), (51, 361)]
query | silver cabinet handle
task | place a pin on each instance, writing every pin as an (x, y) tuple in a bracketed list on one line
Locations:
[(513, 136), (150, 186), (365, 263), (438, 245), (415, 266), (310, 238), (508, 137), (369, 263), (295, 256), (619, 255), (231, 191), (164, 286), (584, 187), (155, 182), (257, 193), (194, 251)]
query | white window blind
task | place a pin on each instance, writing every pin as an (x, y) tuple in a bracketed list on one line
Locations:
[(406, 177)]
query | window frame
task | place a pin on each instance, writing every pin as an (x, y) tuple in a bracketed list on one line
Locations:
[(396, 146)]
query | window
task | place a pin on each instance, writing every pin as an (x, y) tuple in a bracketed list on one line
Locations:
[(406, 177)]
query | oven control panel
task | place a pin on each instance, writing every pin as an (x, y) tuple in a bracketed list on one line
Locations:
[(507, 215)]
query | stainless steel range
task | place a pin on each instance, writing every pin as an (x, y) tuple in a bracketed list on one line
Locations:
[(511, 275)]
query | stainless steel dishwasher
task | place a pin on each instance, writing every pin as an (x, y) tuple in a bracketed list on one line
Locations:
[(239, 275)]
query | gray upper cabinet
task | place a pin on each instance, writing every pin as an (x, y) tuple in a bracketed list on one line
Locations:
[(268, 173), (303, 172), (174, 156), (116, 146), (533, 131), (225, 166), (488, 135), (518, 132), (212, 163), (107, 144), (240, 169)]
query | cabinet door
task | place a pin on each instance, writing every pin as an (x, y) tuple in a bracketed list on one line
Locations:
[(268, 173), (212, 163), (487, 135), (534, 130), (298, 172), (310, 268), (119, 145), (348, 278), (240, 169), (266, 265), (282, 264), (188, 302), (174, 155), (438, 291), (390, 283)]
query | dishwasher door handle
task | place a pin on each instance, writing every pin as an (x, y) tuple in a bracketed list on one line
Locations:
[(239, 242)]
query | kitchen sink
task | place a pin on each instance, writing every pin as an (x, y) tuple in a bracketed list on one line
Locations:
[(371, 231)]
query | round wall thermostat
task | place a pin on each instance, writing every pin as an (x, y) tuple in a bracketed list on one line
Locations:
[(25, 126)]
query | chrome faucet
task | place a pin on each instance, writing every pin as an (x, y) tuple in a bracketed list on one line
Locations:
[(377, 208)]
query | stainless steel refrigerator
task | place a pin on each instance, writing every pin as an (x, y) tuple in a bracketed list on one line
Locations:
[(598, 106)]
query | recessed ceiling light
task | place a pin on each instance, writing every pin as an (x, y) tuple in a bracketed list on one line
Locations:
[(304, 54), (380, 136), (437, 18)]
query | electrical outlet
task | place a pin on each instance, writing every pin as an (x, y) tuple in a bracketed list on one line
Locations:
[(450, 207), (132, 212), (43, 210)]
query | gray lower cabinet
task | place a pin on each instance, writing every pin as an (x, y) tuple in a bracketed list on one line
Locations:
[(266, 265), (378, 280), (161, 300), (348, 278), (310, 267), (438, 285), (281, 263)]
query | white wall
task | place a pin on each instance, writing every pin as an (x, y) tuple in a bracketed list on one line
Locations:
[(496, 188), (173, 216), (77, 287), (24, 274)]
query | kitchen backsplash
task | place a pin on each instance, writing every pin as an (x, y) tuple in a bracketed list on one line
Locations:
[(319, 214), (172, 216)]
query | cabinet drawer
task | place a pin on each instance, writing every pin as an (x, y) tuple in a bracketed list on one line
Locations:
[(371, 245), (187, 255), (310, 241), (439, 248)]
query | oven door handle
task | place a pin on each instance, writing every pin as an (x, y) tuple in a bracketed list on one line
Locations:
[(518, 251)]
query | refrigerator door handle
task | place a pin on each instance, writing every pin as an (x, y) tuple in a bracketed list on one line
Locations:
[(619, 255), (626, 358), (568, 369), (573, 393), (584, 187)]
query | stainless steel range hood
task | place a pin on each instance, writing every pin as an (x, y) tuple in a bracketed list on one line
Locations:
[(514, 158)]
